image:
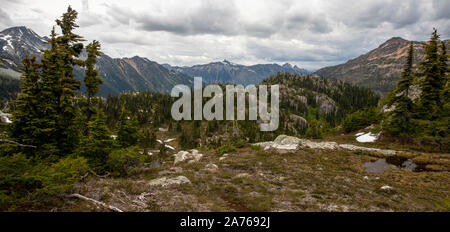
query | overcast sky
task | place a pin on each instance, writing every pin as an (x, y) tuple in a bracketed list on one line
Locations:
[(310, 34)]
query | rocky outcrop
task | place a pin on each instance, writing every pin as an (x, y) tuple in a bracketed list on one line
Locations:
[(358, 148), (5, 118), (326, 104), (212, 167), (298, 119), (223, 157), (164, 181), (192, 156), (284, 142), (319, 145)]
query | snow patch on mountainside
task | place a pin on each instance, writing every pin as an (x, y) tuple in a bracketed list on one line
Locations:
[(367, 137)]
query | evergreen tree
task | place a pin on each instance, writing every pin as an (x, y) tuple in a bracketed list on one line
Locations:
[(148, 139), (69, 49), (183, 140), (443, 64), (91, 78), (58, 87), (407, 76), (444, 73), (128, 130), (432, 83), (399, 120), (98, 145), (314, 130), (162, 151), (25, 126), (442, 125), (47, 110)]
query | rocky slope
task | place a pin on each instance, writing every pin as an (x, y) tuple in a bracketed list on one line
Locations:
[(301, 92), (15, 44), (136, 74), (228, 72), (378, 69)]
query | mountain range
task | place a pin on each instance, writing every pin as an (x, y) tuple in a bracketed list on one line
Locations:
[(228, 72), (378, 69), (119, 74), (135, 73)]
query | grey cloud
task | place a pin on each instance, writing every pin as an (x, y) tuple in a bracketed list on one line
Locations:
[(118, 14), (4, 18), (442, 9), (285, 53), (373, 14), (315, 23), (85, 4), (38, 11), (87, 19), (117, 38), (219, 19), (262, 30), (208, 18)]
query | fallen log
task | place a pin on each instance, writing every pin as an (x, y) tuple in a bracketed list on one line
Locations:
[(16, 143), (113, 208)]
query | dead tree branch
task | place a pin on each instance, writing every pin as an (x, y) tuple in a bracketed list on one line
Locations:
[(16, 143), (113, 208)]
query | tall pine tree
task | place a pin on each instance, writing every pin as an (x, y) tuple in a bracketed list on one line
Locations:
[(91, 79), (46, 112), (97, 146), (26, 124), (128, 130), (399, 120), (444, 73), (432, 83)]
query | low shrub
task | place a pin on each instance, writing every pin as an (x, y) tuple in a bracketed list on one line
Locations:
[(121, 162), (24, 180), (444, 205), (255, 147), (225, 149), (360, 119)]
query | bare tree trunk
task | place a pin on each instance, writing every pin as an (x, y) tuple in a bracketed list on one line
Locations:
[(113, 208), (16, 143)]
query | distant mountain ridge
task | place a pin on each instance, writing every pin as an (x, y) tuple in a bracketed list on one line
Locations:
[(228, 72), (119, 74), (378, 69), (135, 73)]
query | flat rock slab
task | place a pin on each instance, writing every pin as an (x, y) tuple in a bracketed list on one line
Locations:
[(358, 148), (164, 181), (284, 142), (319, 145)]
